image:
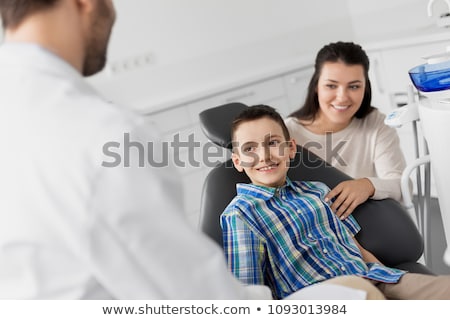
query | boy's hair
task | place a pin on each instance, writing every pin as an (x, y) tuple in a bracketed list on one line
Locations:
[(257, 112), (13, 12)]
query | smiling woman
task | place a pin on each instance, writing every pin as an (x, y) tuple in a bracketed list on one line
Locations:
[(338, 123)]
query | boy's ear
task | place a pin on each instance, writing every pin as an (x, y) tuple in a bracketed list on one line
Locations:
[(292, 149), (236, 162)]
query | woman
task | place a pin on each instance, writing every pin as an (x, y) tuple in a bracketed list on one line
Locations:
[(338, 123)]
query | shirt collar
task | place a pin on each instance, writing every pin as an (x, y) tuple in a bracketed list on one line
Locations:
[(261, 191), (38, 57)]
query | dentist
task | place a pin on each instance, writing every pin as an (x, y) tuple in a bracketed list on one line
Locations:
[(72, 228)]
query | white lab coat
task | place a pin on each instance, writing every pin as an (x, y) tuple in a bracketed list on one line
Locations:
[(73, 229)]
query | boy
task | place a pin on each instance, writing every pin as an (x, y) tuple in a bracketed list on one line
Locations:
[(283, 233)]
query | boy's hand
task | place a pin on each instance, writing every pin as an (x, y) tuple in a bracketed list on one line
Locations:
[(348, 195)]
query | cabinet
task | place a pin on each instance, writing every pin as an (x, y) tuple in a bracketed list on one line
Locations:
[(389, 70), (380, 96), (391, 83), (270, 92), (296, 86)]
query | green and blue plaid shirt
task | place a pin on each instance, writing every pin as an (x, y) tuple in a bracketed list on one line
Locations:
[(289, 238)]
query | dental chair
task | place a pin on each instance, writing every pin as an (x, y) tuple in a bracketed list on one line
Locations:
[(387, 229)]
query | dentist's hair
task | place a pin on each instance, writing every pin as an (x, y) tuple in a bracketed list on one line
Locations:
[(13, 12), (349, 53)]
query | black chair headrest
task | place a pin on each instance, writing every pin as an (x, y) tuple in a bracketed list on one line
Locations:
[(216, 122)]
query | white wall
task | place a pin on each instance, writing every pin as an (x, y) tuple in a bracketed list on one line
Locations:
[(203, 34), (387, 19), (180, 30), (176, 33), (173, 31)]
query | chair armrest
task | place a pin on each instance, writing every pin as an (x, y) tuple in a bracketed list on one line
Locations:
[(387, 230)]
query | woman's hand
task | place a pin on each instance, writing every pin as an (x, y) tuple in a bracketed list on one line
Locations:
[(348, 195)]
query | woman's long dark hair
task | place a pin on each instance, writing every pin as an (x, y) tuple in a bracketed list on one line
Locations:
[(348, 53)]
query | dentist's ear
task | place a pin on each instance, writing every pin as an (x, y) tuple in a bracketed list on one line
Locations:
[(292, 148), (236, 161), (85, 5)]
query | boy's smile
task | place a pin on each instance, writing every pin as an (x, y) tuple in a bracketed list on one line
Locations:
[(261, 150)]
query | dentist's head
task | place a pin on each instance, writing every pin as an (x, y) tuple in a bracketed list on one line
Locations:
[(76, 30)]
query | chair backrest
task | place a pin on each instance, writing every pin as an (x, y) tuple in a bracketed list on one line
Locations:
[(387, 230)]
